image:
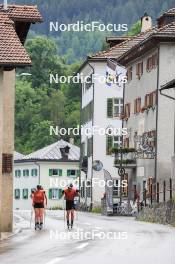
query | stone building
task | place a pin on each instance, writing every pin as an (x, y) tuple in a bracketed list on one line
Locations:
[(15, 22)]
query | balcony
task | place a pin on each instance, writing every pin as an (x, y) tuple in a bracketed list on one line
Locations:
[(124, 157)]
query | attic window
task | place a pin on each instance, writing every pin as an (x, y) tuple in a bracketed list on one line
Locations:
[(7, 163)]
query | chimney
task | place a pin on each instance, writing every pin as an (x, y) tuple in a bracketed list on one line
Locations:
[(146, 23), (5, 4)]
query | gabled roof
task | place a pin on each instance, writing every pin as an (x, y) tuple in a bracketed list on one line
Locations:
[(12, 51), (23, 13), (170, 12), (18, 156), (118, 50), (53, 152)]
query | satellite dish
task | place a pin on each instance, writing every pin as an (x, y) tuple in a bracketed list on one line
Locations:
[(97, 165)]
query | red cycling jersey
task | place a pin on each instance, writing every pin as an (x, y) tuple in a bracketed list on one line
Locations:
[(70, 194)]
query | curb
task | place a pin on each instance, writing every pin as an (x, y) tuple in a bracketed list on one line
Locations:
[(9, 235)]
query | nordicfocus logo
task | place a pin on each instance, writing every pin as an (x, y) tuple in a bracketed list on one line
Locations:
[(81, 234), (95, 182), (88, 131), (80, 26)]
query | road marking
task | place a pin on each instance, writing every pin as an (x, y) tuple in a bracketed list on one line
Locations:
[(87, 224), (54, 261), (97, 227), (82, 246)]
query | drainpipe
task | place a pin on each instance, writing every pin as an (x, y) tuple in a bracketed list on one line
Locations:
[(93, 71), (157, 103)]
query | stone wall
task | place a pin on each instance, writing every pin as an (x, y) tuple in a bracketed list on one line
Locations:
[(163, 213)]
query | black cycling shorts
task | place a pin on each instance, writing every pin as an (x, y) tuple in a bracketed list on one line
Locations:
[(70, 205), (39, 205)]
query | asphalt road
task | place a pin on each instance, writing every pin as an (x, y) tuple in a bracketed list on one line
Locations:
[(94, 239)]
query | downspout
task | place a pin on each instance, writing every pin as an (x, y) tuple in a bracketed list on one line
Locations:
[(157, 103), (93, 71)]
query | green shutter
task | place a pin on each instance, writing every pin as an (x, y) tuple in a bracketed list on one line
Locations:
[(60, 193), (109, 144), (60, 172), (68, 172), (109, 107), (50, 172), (78, 173), (50, 193)]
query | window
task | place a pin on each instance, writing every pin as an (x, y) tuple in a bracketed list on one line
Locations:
[(126, 143), (149, 185), (125, 188), (88, 189), (129, 74), (116, 188), (25, 193), (112, 141), (34, 172), (87, 113), (17, 193), (55, 172), (73, 173), (17, 173), (55, 194), (127, 110), (88, 82), (114, 107), (151, 62), (151, 99), (139, 69), (26, 173), (89, 147), (33, 190), (83, 189), (137, 105)]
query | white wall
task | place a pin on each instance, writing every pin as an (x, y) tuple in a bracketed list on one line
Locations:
[(101, 93), (45, 180)]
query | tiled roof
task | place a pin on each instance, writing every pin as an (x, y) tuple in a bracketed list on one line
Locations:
[(18, 156), (23, 13), (52, 152), (118, 50), (170, 12), (12, 51)]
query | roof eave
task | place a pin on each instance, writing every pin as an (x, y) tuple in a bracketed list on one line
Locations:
[(153, 39)]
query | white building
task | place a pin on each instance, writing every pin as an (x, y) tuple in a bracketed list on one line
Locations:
[(53, 167), (101, 108)]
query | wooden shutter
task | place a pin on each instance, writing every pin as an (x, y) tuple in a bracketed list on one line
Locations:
[(141, 68), (137, 69), (125, 189), (68, 172), (60, 172), (50, 193), (50, 172), (135, 106), (109, 144), (147, 65), (60, 193), (109, 107), (7, 163)]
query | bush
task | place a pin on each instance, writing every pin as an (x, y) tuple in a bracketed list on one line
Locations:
[(96, 210)]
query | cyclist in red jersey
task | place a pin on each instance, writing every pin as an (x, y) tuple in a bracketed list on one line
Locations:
[(70, 193), (39, 198)]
